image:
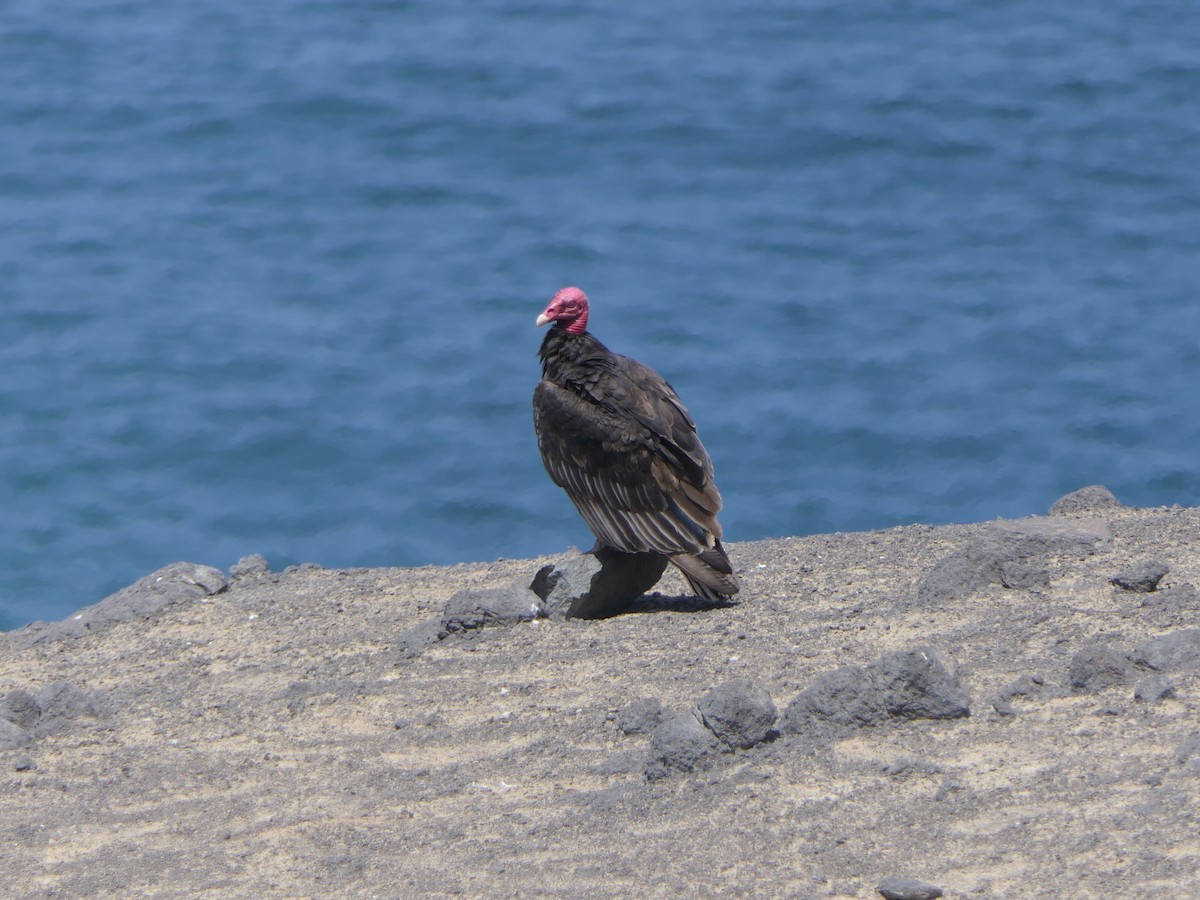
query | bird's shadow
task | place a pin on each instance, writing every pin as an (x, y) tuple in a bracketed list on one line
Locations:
[(686, 603)]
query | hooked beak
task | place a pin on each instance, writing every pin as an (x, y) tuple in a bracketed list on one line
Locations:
[(543, 319)]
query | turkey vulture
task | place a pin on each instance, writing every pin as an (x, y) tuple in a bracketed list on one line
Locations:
[(616, 437)]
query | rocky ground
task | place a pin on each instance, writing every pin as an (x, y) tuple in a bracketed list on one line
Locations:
[(976, 710)]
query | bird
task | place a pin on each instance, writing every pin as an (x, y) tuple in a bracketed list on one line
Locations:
[(615, 436)]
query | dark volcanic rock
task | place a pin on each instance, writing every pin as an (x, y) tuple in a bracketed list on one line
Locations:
[(1097, 668), (909, 684), (60, 705), (1026, 687), (1188, 750), (739, 712), (1012, 554), (641, 716), (1179, 650), (920, 684), (1003, 707), (1024, 573), (471, 609), (1094, 498), (1153, 688), (967, 570), (249, 566), (12, 735), (681, 743), (24, 716), (176, 583), (948, 787), (1143, 578), (896, 887), (598, 584), (21, 708), (843, 698)]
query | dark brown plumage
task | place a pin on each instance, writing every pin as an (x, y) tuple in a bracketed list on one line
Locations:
[(616, 437)]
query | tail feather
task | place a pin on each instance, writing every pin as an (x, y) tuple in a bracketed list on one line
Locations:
[(709, 574)]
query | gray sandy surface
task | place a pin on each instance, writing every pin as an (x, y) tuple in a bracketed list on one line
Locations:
[(304, 734)]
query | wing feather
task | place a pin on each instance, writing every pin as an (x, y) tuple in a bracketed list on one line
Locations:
[(627, 492)]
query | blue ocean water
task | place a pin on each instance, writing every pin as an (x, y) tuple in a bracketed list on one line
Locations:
[(269, 271)]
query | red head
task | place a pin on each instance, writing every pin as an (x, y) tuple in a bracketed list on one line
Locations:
[(569, 308)]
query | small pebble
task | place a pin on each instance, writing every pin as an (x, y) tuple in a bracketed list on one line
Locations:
[(946, 788), (895, 887)]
